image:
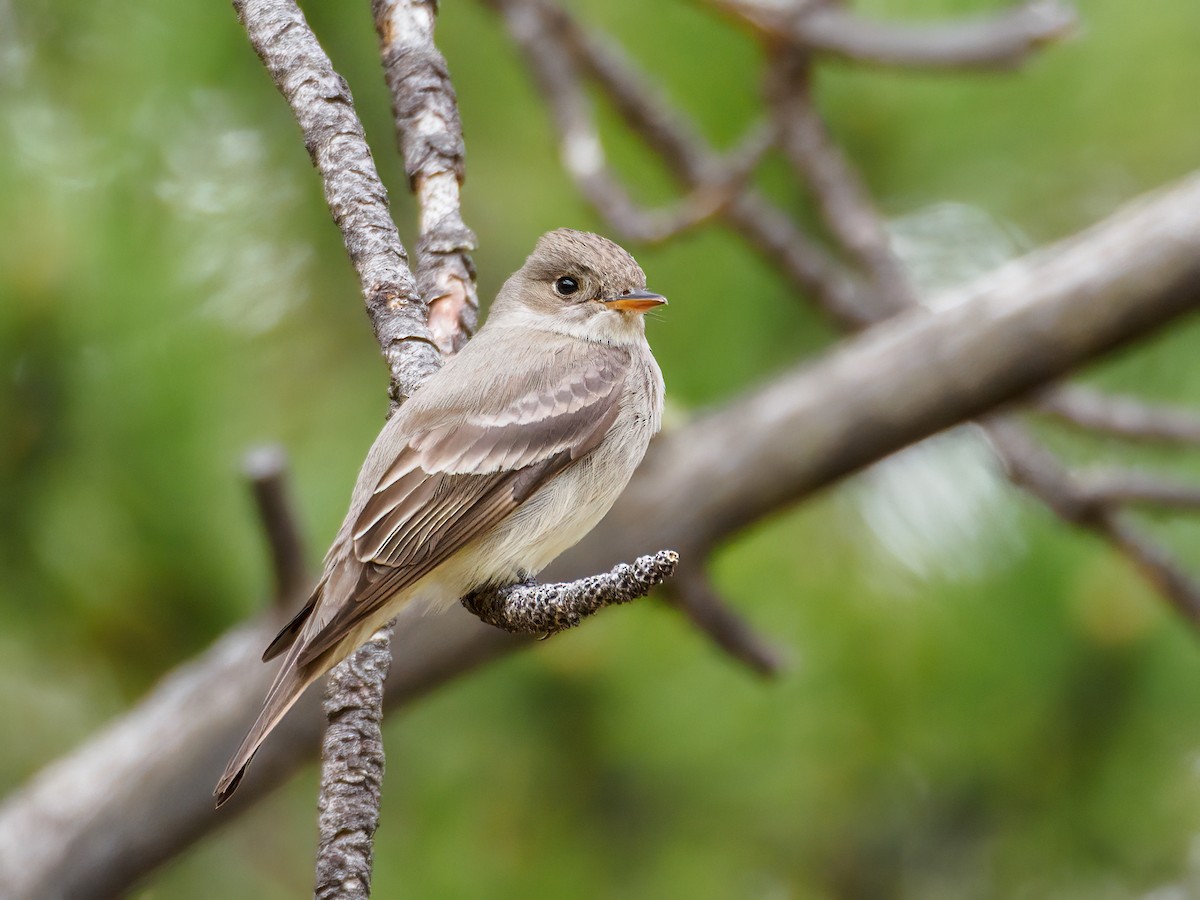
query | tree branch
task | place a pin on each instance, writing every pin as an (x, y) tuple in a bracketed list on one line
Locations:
[(95, 821), (692, 593), (1117, 416), (321, 102), (841, 198), (429, 133), (352, 762), (1037, 471), (1002, 40), (266, 469), (320, 99), (1121, 487), (538, 26), (546, 609)]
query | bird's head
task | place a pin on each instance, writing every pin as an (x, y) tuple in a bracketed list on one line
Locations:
[(579, 284)]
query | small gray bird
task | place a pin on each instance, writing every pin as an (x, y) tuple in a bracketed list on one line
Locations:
[(503, 459)]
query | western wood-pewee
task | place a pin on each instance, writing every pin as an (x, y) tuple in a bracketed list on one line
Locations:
[(503, 459)]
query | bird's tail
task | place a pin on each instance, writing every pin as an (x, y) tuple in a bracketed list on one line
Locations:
[(289, 684)]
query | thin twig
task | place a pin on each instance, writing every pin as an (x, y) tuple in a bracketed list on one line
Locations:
[(1034, 468), (1122, 487), (693, 593), (1002, 40), (841, 196), (1119, 416), (685, 153), (582, 151), (266, 469)]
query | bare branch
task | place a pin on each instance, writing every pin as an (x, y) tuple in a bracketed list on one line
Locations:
[(1002, 40), (694, 594), (582, 151), (841, 198), (1122, 487), (93, 822), (429, 132), (321, 102), (1119, 416), (266, 469), (1035, 469), (546, 609), (686, 154), (352, 761)]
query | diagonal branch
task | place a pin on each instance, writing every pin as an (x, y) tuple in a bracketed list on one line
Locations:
[(1121, 487), (1119, 416), (582, 151), (1037, 471), (694, 594), (842, 199), (537, 25), (1001, 40)]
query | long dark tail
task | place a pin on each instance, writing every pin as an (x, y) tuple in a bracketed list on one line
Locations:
[(289, 684)]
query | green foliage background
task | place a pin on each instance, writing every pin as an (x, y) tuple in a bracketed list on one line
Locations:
[(1022, 724)]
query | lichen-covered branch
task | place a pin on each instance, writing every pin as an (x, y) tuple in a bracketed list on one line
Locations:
[(545, 609), (321, 102)]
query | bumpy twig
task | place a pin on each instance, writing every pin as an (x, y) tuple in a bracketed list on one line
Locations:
[(1002, 40), (547, 609)]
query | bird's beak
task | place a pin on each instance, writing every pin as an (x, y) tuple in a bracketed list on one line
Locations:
[(636, 301)]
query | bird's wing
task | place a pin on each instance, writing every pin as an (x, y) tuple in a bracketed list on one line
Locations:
[(458, 476)]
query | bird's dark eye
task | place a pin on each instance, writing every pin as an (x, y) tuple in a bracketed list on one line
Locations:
[(566, 286)]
